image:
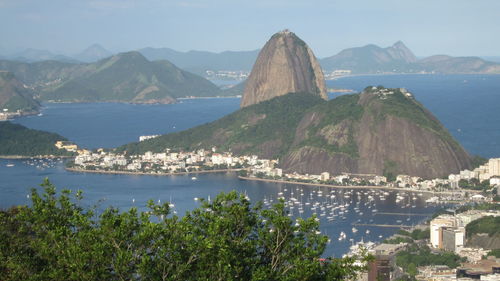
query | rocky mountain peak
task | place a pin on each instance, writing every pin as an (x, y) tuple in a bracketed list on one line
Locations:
[(284, 65), (399, 51)]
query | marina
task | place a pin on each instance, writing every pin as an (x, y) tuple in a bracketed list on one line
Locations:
[(337, 209)]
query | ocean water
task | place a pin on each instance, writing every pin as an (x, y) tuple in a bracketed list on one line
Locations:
[(125, 191), (466, 104)]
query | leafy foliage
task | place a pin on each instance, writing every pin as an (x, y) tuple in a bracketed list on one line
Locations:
[(416, 234), (398, 240), (474, 184), (490, 225), (226, 239), (478, 161), (16, 139), (334, 112), (495, 253), (421, 255)]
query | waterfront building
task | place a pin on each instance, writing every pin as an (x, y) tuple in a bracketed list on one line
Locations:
[(67, 145)]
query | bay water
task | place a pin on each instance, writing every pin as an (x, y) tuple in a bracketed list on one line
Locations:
[(468, 105)]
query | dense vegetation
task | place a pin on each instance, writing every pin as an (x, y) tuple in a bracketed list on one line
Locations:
[(226, 239), (248, 128), (16, 139), (131, 77), (495, 253), (478, 206), (421, 255), (416, 234), (489, 225), (341, 109), (474, 184)]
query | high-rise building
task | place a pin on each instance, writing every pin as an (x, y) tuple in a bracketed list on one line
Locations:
[(436, 229)]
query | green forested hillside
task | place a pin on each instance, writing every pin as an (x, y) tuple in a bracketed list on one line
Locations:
[(268, 126), (489, 225), (379, 131), (132, 78), (16, 139), (126, 77), (14, 96)]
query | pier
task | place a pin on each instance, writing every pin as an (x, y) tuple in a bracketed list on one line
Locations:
[(384, 225), (403, 214)]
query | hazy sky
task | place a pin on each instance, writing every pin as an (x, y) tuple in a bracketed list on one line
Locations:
[(455, 27)]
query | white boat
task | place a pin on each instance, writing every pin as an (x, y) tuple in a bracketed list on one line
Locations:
[(194, 178), (10, 165)]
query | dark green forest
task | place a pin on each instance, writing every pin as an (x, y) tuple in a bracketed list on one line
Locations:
[(18, 140)]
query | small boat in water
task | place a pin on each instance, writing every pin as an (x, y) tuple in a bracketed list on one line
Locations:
[(194, 178), (10, 165)]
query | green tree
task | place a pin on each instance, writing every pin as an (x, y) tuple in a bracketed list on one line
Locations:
[(225, 239)]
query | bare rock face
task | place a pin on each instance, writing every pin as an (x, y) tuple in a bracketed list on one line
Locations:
[(380, 131), (285, 65)]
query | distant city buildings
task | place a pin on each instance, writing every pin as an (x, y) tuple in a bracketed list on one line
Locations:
[(336, 74), (143, 138), (226, 74)]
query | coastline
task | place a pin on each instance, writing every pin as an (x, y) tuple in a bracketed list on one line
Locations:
[(77, 170), (349, 186), (21, 157)]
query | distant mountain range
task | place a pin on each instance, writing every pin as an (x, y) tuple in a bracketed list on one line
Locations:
[(93, 53), (397, 58), (369, 59), (126, 77), (200, 61), (372, 58)]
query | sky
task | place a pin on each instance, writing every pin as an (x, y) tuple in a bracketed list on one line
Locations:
[(427, 27)]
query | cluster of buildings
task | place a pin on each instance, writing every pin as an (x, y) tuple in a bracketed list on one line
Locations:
[(447, 232), (168, 162), (143, 138), (332, 75), (383, 93), (226, 74), (5, 114), (342, 179), (383, 266), (490, 171), (484, 270)]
